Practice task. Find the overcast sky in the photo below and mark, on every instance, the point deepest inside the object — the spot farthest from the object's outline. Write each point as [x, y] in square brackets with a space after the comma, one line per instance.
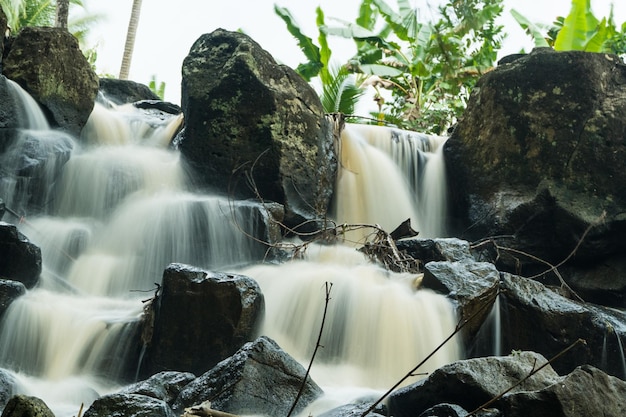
[167, 29]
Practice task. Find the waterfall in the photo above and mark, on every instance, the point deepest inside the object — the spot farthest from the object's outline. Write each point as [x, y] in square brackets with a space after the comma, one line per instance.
[121, 208]
[387, 175]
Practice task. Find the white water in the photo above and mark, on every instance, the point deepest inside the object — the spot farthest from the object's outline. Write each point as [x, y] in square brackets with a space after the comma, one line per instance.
[121, 212]
[387, 176]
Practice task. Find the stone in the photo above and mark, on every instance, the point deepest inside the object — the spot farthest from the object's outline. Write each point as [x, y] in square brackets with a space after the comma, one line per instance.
[537, 159]
[48, 64]
[586, 391]
[165, 386]
[125, 91]
[25, 406]
[7, 387]
[254, 128]
[128, 405]
[21, 259]
[9, 291]
[472, 286]
[471, 383]
[201, 318]
[537, 318]
[259, 379]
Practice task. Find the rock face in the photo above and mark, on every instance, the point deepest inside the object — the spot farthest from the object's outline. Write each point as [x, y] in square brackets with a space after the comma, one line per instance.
[9, 291]
[259, 379]
[200, 319]
[125, 91]
[25, 406]
[539, 154]
[537, 318]
[48, 63]
[129, 405]
[21, 259]
[245, 113]
[3, 29]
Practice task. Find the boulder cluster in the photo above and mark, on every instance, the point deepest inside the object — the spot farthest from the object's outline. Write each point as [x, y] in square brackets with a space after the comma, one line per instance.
[537, 196]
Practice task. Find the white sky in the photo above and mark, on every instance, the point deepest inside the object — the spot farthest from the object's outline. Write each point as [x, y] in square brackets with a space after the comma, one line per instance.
[168, 29]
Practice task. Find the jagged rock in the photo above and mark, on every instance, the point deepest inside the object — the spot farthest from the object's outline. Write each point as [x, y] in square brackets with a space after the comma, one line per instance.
[9, 291]
[472, 286]
[201, 318]
[259, 379]
[537, 318]
[165, 386]
[428, 250]
[25, 406]
[21, 259]
[7, 383]
[48, 64]
[586, 391]
[471, 383]
[32, 163]
[125, 91]
[128, 405]
[538, 157]
[244, 112]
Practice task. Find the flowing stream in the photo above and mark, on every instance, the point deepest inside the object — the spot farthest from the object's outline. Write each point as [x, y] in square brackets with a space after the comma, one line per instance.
[122, 210]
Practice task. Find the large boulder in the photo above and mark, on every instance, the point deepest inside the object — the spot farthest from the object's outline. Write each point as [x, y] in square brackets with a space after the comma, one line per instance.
[21, 259]
[129, 405]
[26, 406]
[165, 386]
[537, 318]
[538, 157]
[260, 379]
[200, 318]
[48, 64]
[244, 113]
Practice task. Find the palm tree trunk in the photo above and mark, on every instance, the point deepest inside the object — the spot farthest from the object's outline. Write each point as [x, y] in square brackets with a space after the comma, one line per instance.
[130, 40]
[63, 7]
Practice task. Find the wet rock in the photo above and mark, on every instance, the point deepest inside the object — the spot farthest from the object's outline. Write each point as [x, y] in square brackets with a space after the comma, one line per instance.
[246, 113]
[3, 31]
[472, 286]
[128, 405]
[353, 410]
[32, 163]
[471, 383]
[201, 318]
[39, 61]
[165, 386]
[125, 91]
[7, 384]
[428, 250]
[259, 379]
[586, 391]
[21, 259]
[538, 155]
[25, 406]
[538, 318]
[9, 291]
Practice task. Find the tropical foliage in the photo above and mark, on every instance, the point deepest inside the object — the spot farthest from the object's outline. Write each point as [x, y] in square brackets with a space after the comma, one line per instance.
[422, 70]
[580, 30]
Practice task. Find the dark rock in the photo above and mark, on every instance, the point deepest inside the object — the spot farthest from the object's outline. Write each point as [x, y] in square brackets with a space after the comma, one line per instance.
[7, 387]
[163, 386]
[3, 31]
[201, 318]
[603, 283]
[9, 291]
[259, 379]
[586, 391]
[31, 165]
[445, 410]
[538, 157]
[471, 383]
[21, 259]
[353, 410]
[39, 60]
[537, 318]
[25, 406]
[246, 113]
[157, 105]
[128, 405]
[125, 91]
[428, 250]
[472, 286]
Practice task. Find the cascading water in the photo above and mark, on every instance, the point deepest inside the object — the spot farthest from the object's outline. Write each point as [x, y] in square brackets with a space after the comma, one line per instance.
[122, 210]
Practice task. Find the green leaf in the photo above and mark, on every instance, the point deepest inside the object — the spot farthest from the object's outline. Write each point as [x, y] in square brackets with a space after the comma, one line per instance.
[531, 29]
[310, 50]
[578, 29]
[381, 70]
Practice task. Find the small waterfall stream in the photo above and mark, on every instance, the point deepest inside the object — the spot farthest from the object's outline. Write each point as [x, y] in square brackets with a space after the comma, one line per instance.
[122, 210]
